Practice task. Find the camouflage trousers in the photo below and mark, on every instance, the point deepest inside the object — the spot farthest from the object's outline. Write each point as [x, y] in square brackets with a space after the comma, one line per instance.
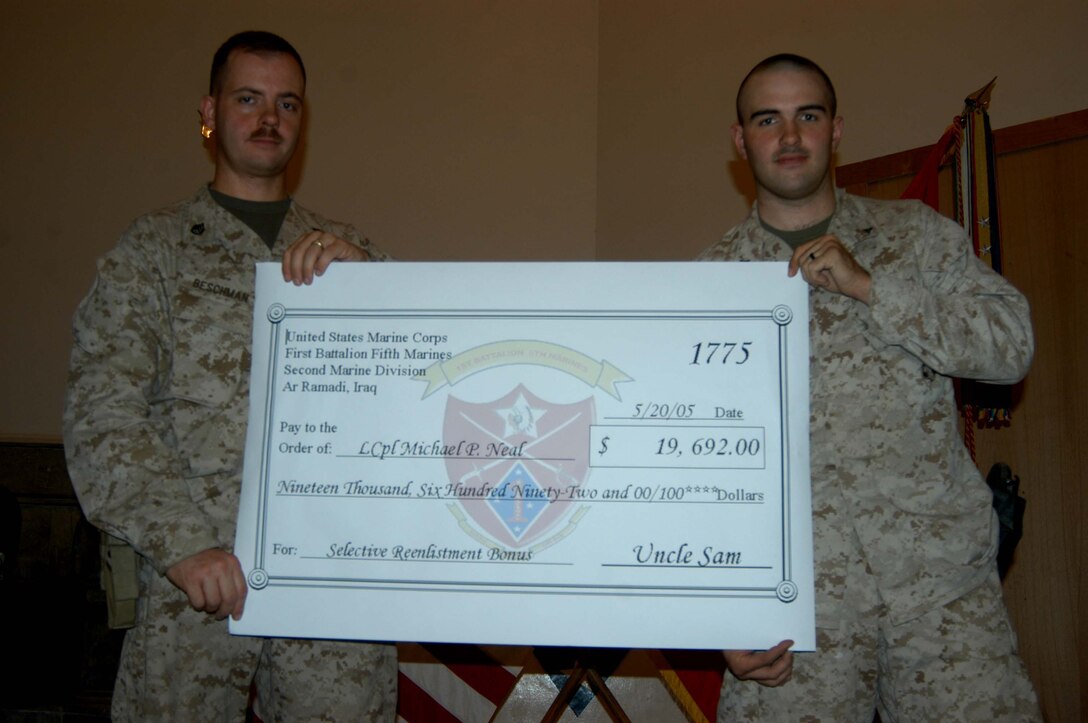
[956, 663]
[179, 664]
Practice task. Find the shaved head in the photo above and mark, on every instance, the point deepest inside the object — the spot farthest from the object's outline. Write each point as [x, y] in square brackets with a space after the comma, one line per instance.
[796, 62]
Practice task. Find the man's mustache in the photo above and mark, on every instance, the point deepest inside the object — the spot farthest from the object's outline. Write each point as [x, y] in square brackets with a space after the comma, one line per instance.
[791, 151]
[266, 132]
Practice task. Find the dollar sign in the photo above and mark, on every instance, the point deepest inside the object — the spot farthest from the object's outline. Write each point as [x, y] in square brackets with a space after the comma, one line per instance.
[604, 446]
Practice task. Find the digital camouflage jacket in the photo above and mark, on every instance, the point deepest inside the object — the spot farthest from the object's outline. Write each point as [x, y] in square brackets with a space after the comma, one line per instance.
[890, 474]
[155, 415]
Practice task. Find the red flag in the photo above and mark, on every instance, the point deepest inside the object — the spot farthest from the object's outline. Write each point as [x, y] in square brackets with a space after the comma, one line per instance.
[924, 186]
[452, 683]
[694, 678]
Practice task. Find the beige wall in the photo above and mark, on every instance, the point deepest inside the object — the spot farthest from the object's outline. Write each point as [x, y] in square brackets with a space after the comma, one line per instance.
[669, 181]
[464, 129]
[443, 130]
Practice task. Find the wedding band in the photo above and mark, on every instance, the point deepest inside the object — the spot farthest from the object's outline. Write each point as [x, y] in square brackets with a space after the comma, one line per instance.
[319, 245]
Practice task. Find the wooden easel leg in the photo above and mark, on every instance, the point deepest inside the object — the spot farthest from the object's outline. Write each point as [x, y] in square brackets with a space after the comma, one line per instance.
[566, 695]
[578, 675]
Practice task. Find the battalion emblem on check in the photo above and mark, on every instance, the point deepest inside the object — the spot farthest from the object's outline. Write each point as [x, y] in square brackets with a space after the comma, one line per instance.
[518, 483]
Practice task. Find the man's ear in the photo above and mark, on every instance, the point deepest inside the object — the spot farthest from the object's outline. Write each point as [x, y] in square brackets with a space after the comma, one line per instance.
[836, 132]
[207, 111]
[738, 139]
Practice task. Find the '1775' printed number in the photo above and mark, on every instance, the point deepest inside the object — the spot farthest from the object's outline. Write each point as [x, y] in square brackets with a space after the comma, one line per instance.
[720, 352]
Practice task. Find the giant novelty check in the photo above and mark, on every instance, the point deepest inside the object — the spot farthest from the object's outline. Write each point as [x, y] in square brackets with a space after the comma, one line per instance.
[585, 454]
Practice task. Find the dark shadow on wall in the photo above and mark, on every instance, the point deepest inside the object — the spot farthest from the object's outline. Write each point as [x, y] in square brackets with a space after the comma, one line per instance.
[58, 658]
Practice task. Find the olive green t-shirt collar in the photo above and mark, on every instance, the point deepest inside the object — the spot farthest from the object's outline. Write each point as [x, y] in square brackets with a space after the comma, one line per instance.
[264, 217]
[801, 235]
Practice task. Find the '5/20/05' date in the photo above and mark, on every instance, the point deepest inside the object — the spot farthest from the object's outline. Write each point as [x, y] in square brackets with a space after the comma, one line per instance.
[683, 410]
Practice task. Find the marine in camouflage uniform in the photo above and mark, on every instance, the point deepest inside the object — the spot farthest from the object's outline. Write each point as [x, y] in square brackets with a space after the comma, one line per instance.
[910, 618]
[154, 431]
[156, 410]
[902, 520]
